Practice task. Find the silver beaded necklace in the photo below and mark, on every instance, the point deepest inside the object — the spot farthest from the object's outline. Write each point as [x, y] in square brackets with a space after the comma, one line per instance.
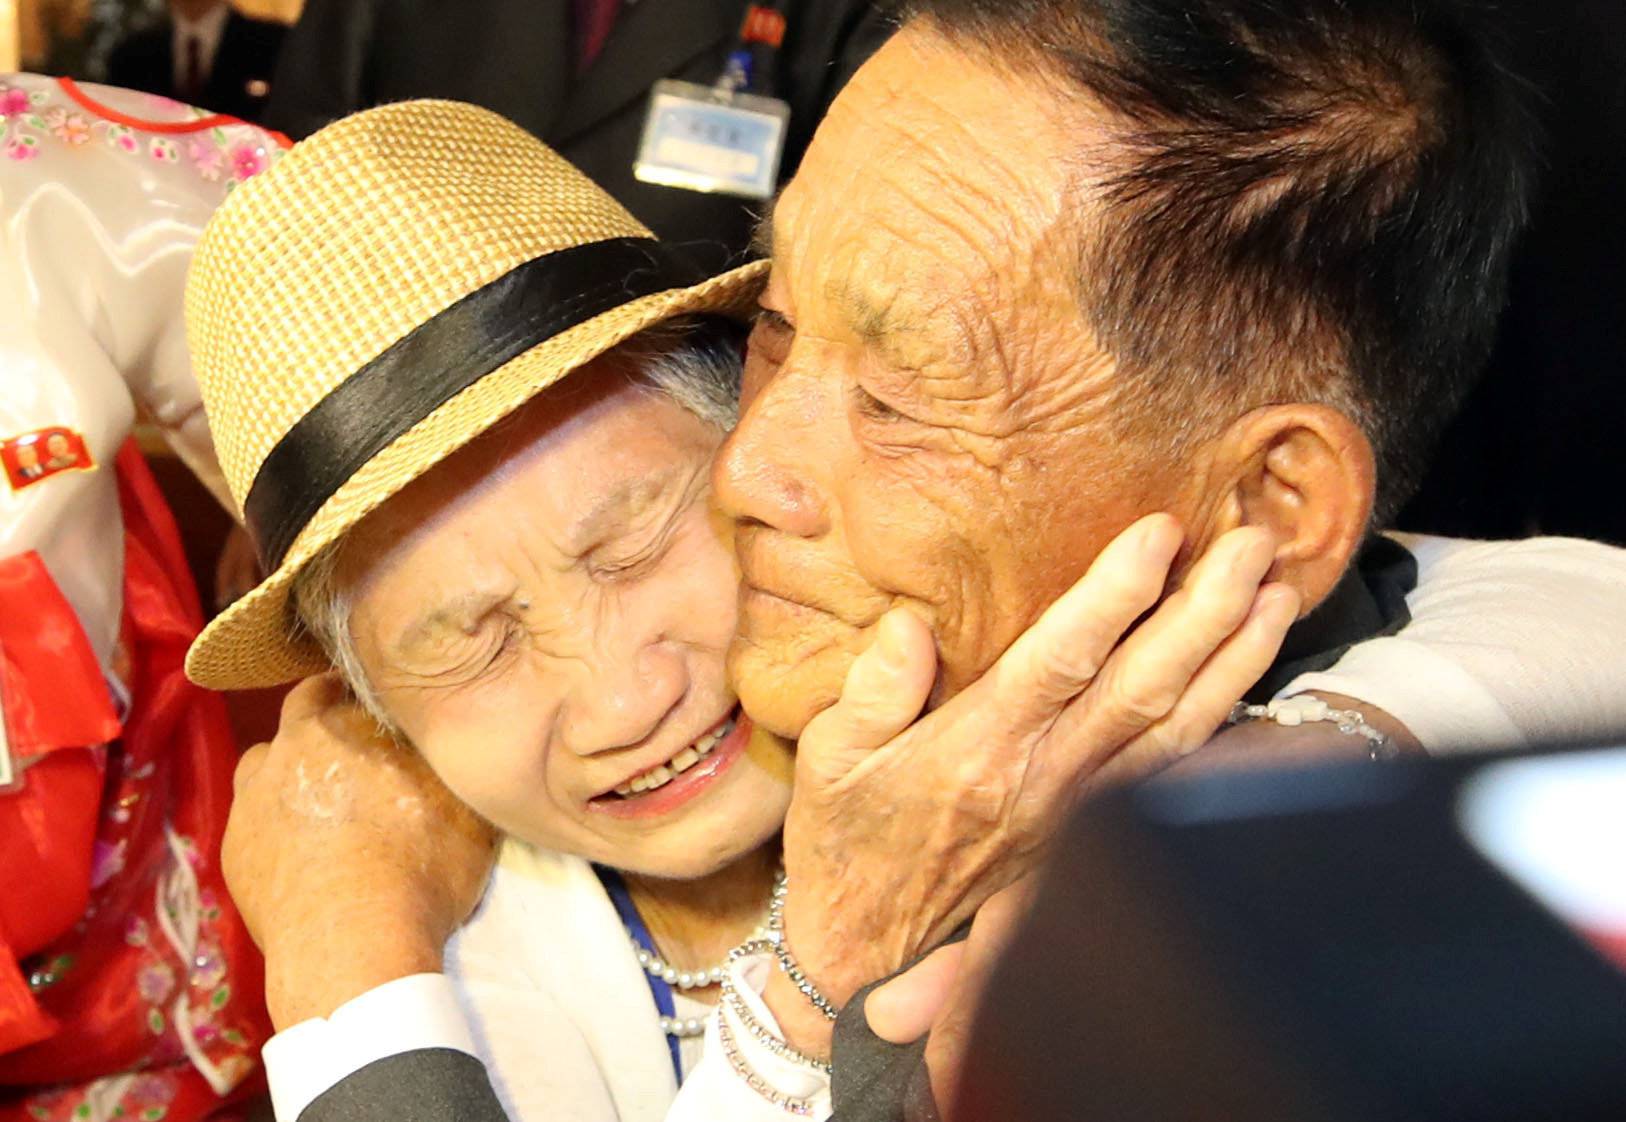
[657, 967]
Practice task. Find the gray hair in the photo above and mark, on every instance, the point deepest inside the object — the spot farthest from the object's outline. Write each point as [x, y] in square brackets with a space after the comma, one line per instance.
[694, 361]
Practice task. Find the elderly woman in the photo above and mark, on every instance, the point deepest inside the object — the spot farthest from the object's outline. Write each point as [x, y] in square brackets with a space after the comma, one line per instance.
[468, 410]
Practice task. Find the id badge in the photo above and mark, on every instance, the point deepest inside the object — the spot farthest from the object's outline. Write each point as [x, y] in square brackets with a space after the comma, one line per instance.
[704, 139]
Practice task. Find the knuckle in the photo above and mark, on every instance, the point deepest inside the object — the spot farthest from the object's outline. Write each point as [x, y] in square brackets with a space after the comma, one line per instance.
[299, 699]
[1063, 670]
[875, 712]
[1198, 723]
[1141, 700]
[231, 856]
[248, 765]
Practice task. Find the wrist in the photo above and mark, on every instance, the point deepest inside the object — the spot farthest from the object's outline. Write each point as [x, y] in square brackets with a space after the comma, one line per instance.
[312, 973]
[805, 1028]
[806, 995]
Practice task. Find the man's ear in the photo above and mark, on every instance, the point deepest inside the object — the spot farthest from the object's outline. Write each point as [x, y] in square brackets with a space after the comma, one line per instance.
[1307, 474]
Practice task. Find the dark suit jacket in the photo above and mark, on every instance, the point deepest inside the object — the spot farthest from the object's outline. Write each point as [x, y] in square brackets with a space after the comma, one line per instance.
[243, 66]
[518, 58]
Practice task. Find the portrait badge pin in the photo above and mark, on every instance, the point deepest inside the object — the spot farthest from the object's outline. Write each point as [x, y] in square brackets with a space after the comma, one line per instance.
[34, 457]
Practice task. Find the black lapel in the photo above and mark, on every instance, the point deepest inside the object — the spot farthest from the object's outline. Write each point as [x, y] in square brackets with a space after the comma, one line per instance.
[225, 75]
[529, 83]
[162, 57]
[652, 40]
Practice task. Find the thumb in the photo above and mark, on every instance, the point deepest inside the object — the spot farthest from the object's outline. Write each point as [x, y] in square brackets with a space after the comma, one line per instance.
[902, 1010]
[885, 690]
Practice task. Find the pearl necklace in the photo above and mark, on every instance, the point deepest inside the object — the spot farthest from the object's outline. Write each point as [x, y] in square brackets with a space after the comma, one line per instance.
[657, 967]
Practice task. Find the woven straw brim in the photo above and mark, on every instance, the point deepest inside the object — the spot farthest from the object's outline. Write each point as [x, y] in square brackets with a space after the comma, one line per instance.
[255, 643]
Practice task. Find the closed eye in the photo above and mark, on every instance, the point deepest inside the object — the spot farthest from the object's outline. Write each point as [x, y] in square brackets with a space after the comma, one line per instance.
[771, 320]
[771, 336]
[872, 407]
[635, 555]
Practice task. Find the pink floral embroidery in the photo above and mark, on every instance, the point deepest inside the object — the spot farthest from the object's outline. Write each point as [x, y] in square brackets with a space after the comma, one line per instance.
[209, 965]
[107, 861]
[221, 153]
[70, 128]
[207, 159]
[247, 161]
[155, 982]
[151, 1093]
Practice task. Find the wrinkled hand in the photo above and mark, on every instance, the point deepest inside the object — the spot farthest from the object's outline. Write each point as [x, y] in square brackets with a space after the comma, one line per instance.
[894, 838]
[940, 995]
[351, 863]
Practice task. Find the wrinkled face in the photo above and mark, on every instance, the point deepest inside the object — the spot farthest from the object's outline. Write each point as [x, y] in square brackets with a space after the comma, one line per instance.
[927, 419]
[545, 616]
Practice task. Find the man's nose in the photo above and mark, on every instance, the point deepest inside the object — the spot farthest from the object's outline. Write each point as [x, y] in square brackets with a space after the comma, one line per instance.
[763, 471]
[621, 701]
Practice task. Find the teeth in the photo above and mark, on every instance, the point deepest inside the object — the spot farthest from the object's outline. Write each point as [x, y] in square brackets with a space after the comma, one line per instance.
[663, 774]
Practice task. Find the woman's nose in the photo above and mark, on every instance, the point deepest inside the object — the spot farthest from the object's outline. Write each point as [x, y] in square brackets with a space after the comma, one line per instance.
[621, 702]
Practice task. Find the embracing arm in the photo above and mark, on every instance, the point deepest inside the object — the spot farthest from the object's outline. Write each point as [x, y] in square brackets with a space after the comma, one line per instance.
[1510, 644]
[352, 866]
[400, 1051]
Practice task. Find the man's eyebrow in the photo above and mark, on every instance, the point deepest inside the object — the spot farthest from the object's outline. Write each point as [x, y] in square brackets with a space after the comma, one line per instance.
[871, 321]
[762, 233]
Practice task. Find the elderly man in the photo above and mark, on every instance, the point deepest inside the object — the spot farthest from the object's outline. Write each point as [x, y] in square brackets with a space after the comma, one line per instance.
[1046, 267]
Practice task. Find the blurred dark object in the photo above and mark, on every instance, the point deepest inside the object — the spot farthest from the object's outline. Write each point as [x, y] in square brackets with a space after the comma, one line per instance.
[226, 70]
[1538, 445]
[521, 58]
[1312, 946]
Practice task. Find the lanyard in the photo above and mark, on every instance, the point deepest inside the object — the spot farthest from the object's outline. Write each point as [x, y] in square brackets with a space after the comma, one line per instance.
[622, 899]
[752, 62]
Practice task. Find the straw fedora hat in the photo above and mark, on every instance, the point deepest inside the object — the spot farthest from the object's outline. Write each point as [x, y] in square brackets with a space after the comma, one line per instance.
[386, 292]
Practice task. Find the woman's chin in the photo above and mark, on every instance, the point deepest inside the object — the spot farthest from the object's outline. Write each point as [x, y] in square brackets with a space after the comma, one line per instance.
[704, 851]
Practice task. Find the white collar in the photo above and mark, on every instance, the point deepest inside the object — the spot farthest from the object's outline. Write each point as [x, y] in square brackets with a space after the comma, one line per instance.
[209, 27]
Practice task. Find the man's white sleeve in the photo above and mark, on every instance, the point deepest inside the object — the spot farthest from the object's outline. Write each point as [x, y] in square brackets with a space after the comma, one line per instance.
[1510, 644]
[405, 1015]
[740, 1077]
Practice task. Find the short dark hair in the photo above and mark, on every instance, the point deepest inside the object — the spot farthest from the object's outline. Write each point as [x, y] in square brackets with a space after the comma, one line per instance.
[1317, 199]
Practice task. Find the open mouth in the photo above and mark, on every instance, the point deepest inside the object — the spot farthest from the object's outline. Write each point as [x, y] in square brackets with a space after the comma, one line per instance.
[662, 774]
[668, 786]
